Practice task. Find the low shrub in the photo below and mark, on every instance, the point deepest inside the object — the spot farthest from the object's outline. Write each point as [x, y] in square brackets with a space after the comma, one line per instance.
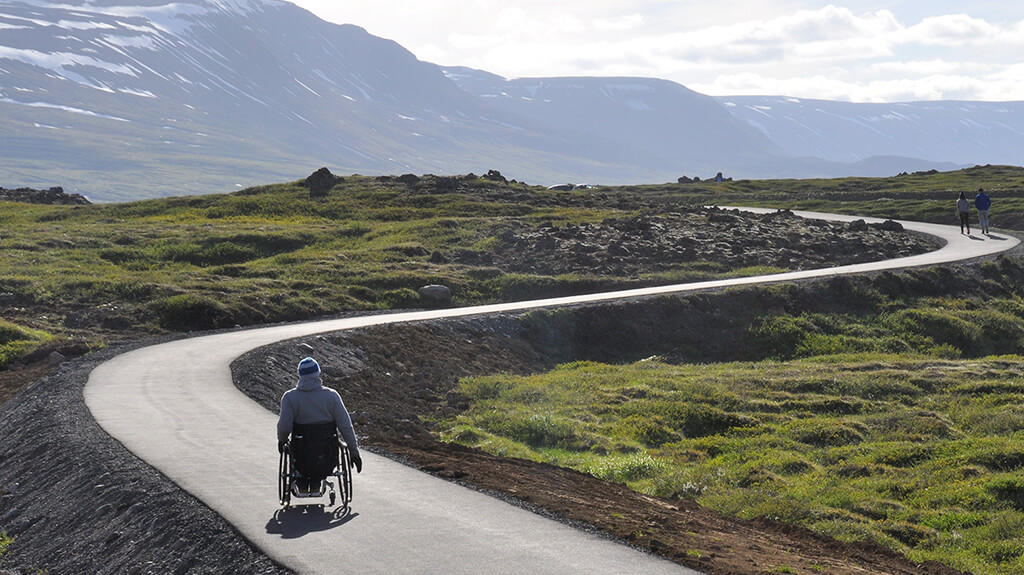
[998, 454]
[1009, 489]
[625, 468]
[190, 312]
[649, 431]
[536, 430]
[17, 341]
[825, 432]
[401, 298]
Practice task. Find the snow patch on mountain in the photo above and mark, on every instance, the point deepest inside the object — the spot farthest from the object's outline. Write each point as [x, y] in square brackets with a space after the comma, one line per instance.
[70, 109]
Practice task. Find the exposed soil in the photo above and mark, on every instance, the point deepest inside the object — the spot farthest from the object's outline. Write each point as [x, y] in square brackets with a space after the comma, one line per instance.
[78, 502]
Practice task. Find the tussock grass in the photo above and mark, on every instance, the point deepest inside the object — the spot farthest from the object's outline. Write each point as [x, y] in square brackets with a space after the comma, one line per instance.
[922, 454]
[16, 341]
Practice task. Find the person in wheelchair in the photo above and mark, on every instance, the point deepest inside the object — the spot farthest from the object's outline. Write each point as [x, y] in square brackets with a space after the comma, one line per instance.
[312, 417]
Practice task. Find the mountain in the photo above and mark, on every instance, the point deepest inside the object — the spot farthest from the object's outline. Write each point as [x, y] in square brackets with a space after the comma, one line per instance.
[196, 96]
[127, 99]
[947, 131]
[668, 124]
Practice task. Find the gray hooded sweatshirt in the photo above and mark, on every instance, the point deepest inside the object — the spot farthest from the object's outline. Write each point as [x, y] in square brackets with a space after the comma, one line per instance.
[311, 402]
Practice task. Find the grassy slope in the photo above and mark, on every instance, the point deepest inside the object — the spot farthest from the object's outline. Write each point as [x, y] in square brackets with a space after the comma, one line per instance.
[838, 429]
[926, 196]
[263, 255]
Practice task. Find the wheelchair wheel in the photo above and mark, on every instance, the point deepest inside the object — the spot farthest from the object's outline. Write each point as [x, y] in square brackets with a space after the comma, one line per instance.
[345, 480]
[284, 478]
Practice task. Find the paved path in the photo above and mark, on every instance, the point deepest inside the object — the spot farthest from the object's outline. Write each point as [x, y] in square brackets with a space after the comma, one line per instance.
[174, 406]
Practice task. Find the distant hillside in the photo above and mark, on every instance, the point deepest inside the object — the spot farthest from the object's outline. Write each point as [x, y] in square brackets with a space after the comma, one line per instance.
[953, 132]
[656, 118]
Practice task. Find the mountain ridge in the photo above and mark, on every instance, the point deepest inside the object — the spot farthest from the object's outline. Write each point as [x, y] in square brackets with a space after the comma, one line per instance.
[126, 100]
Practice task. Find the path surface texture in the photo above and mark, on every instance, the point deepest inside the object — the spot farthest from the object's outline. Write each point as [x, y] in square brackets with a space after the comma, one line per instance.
[174, 406]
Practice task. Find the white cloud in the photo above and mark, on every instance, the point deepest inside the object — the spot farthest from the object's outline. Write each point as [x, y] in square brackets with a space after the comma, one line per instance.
[952, 30]
[619, 23]
[864, 50]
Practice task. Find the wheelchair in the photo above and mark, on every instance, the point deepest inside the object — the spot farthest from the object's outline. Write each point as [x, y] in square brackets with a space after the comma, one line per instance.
[309, 460]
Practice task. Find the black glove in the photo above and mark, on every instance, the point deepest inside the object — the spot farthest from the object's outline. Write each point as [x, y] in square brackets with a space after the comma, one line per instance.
[357, 461]
[281, 445]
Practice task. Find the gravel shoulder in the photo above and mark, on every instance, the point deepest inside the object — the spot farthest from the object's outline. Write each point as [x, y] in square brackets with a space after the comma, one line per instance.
[76, 501]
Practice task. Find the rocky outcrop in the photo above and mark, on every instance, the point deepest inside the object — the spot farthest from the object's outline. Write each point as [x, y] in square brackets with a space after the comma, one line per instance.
[652, 243]
[55, 195]
[321, 181]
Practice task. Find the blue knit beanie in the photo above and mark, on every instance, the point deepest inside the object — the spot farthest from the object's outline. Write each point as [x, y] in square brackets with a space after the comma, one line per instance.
[309, 366]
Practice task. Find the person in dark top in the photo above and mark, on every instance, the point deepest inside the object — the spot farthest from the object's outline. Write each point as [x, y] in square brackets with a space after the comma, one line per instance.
[983, 203]
[963, 207]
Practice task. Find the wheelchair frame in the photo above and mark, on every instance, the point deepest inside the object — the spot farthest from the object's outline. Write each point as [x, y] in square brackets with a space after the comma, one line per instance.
[287, 476]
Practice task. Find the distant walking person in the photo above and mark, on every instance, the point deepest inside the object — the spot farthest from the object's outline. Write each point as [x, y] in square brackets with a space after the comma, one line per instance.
[983, 203]
[963, 207]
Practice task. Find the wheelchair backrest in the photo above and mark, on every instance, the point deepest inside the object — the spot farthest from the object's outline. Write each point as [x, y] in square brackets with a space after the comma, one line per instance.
[314, 449]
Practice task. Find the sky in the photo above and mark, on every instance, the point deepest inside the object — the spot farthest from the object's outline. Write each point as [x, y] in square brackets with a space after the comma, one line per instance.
[859, 51]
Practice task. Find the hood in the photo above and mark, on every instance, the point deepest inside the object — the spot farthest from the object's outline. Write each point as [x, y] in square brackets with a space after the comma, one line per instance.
[309, 383]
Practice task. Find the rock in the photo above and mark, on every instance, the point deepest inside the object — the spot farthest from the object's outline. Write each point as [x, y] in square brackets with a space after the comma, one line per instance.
[494, 176]
[55, 358]
[435, 295]
[321, 181]
[55, 195]
[890, 226]
[858, 226]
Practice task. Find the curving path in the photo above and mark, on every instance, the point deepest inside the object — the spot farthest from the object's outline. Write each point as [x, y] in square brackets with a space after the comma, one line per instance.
[174, 406]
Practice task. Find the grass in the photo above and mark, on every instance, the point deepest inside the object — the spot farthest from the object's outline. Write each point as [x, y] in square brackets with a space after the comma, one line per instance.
[16, 341]
[266, 254]
[867, 411]
[5, 542]
[922, 196]
[921, 454]
[275, 253]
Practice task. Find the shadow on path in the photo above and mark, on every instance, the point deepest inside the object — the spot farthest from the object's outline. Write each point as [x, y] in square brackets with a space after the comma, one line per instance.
[990, 236]
[294, 522]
